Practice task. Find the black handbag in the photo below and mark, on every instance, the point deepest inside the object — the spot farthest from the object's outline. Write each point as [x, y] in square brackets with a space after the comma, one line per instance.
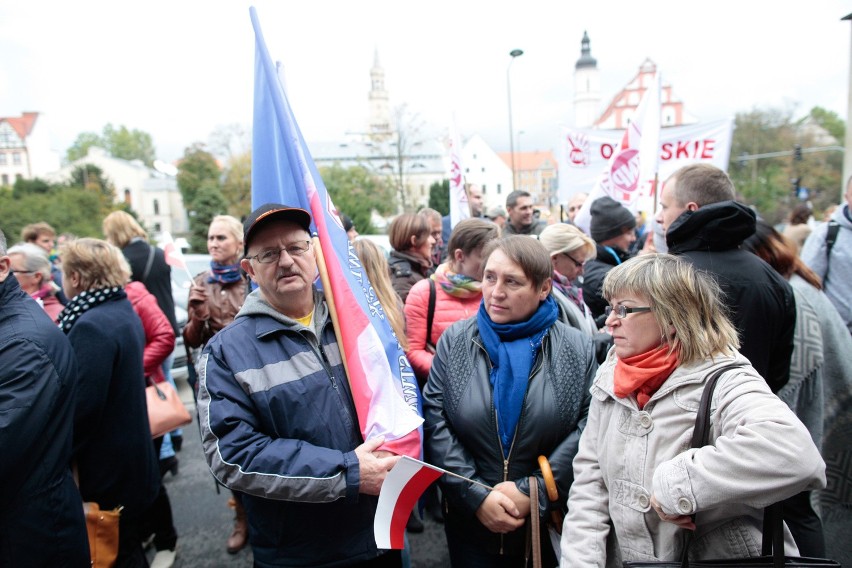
[773, 527]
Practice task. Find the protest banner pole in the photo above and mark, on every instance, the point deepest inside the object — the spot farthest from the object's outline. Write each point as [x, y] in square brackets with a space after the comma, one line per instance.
[329, 299]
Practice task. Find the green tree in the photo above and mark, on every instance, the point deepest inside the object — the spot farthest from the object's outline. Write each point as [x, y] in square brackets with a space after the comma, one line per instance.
[129, 144]
[208, 203]
[768, 183]
[439, 197]
[81, 145]
[120, 142]
[90, 176]
[195, 168]
[831, 122]
[357, 192]
[236, 187]
[67, 208]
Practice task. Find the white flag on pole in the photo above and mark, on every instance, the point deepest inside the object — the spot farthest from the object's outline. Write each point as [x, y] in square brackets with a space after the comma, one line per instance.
[459, 206]
[629, 175]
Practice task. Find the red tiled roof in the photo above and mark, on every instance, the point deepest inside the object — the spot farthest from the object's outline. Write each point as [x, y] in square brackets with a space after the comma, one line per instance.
[526, 161]
[23, 125]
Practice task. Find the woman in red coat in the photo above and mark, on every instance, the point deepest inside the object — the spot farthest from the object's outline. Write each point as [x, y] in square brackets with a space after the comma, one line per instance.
[457, 293]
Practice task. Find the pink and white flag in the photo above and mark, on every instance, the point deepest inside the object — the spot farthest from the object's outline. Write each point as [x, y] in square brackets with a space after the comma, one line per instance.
[401, 489]
[174, 256]
[629, 175]
[459, 205]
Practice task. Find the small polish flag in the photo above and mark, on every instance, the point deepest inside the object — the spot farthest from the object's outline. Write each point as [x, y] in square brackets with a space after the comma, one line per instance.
[174, 256]
[401, 489]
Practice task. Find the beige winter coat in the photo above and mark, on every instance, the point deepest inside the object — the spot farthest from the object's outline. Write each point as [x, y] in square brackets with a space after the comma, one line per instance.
[762, 454]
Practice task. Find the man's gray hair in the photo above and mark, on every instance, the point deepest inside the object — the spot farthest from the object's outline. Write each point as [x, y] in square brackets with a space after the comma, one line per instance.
[2, 243]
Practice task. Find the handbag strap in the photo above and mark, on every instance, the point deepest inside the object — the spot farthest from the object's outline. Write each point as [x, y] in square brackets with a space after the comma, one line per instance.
[535, 522]
[700, 435]
[148, 264]
[430, 314]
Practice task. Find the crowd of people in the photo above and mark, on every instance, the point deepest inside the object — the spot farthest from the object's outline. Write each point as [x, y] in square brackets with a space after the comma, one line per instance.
[562, 374]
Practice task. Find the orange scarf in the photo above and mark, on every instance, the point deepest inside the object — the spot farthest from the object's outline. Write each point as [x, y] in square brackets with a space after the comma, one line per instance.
[643, 374]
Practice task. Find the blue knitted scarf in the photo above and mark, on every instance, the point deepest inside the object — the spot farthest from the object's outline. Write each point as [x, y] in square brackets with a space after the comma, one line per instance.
[224, 273]
[512, 348]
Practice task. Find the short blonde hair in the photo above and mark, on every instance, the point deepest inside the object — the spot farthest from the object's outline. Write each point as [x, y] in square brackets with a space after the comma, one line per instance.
[562, 237]
[120, 228]
[97, 262]
[684, 299]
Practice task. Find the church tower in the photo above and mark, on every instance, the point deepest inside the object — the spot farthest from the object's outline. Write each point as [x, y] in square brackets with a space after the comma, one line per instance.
[379, 112]
[587, 86]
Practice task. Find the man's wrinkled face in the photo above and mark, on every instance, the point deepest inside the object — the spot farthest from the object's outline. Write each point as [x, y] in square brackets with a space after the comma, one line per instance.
[292, 274]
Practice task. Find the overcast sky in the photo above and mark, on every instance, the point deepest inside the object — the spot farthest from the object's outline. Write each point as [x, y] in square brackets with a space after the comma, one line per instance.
[177, 69]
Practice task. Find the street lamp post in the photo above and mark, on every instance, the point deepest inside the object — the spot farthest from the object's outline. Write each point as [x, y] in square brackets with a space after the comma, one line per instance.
[514, 53]
[521, 162]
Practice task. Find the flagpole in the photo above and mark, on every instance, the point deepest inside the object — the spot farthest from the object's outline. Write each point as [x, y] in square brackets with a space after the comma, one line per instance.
[329, 300]
[488, 487]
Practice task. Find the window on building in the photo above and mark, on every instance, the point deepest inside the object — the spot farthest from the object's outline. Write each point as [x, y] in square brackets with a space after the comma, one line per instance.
[156, 207]
[16, 158]
[2, 158]
[422, 191]
[19, 177]
[127, 198]
[483, 170]
[499, 189]
[5, 179]
[157, 227]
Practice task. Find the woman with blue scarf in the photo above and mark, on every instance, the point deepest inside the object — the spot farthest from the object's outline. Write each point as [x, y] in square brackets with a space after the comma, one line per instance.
[215, 298]
[506, 387]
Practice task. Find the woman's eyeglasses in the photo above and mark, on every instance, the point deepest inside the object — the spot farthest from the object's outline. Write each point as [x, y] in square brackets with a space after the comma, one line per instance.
[622, 311]
[576, 262]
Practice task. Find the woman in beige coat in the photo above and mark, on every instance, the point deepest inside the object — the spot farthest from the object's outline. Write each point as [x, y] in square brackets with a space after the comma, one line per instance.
[637, 482]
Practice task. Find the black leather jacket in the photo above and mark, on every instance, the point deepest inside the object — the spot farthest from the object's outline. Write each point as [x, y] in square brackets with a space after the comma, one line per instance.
[461, 425]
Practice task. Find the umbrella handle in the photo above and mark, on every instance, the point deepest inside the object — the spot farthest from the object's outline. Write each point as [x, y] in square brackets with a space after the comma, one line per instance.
[550, 487]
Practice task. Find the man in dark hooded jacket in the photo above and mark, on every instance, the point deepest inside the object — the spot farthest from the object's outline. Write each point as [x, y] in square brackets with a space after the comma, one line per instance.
[703, 223]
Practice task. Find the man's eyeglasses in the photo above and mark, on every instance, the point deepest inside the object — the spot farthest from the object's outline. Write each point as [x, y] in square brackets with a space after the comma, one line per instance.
[576, 262]
[272, 255]
[622, 311]
[23, 271]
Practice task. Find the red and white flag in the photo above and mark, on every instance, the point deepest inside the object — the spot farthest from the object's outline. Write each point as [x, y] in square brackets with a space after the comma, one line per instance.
[459, 205]
[401, 489]
[630, 173]
[174, 256]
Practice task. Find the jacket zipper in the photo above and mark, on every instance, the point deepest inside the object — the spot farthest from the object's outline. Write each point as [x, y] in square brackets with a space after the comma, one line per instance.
[508, 457]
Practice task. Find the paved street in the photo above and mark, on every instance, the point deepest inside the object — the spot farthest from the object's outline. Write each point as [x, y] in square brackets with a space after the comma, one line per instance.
[204, 521]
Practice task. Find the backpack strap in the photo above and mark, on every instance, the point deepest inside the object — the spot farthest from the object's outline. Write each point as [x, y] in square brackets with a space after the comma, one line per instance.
[430, 314]
[830, 239]
[148, 264]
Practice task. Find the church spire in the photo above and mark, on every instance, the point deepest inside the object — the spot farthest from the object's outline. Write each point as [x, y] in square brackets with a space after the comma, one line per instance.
[586, 59]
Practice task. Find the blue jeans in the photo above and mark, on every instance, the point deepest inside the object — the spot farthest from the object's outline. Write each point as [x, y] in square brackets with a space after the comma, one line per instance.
[167, 451]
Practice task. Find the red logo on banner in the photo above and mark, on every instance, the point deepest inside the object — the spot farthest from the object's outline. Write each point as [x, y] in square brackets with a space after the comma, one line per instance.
[625, 170]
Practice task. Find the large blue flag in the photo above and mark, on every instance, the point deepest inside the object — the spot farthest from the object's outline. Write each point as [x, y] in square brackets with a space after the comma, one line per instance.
[383, 385]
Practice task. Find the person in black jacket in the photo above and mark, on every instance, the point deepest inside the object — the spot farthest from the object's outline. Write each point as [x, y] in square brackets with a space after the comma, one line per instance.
[506, 387]
[113, 450]
[611, 228]
[41, 514]
[704, 224]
